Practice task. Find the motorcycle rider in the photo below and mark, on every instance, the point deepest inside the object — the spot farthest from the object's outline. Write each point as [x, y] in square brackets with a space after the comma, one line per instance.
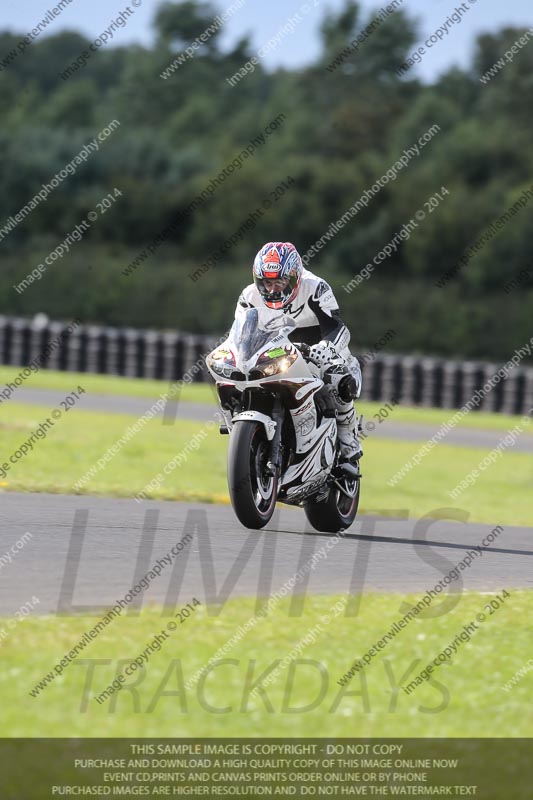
[282, 283]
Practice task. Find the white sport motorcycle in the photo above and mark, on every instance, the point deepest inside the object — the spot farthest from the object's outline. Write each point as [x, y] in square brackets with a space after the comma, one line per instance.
[282, 425]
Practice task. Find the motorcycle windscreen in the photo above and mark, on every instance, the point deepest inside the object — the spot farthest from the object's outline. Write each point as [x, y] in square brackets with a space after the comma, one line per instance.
[253, 330]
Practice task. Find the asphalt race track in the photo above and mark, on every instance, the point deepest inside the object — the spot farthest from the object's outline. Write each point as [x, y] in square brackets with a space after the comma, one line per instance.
[89, 551]
[388, 429]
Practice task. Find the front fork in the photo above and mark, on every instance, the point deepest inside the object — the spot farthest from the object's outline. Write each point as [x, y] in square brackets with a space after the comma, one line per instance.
[274, 465]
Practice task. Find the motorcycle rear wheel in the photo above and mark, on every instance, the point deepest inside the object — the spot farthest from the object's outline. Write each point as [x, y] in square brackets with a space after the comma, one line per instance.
[337, 511]
[253, 491]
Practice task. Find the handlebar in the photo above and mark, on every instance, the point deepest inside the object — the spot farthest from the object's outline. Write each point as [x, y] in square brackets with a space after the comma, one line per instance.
[304, 349]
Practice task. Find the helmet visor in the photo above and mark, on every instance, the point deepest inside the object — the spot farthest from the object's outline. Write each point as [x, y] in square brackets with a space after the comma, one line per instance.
[276, 290]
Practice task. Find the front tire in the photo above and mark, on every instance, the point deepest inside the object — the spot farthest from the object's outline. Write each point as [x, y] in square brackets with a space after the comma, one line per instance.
[253, 492]
[337, 511]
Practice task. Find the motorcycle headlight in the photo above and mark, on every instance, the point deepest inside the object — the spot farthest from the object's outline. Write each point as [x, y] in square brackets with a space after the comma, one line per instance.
[275, 366]
[222, 369]
[221, 362]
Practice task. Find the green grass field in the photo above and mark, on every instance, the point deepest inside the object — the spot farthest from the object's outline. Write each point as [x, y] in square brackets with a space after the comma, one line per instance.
[104, 384]
[78, 440]
[204, 393]
[464, 698]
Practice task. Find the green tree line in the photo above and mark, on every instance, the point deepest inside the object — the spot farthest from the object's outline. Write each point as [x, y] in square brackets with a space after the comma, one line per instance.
[193, 158]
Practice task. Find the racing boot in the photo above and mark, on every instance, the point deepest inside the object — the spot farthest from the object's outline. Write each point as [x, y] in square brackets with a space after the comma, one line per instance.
[349, 443]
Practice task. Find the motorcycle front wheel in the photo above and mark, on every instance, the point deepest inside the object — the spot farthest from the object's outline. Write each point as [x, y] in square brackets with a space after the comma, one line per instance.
[253, 491]
[338, 510]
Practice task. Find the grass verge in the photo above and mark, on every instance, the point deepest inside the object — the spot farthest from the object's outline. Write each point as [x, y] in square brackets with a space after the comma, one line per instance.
[502, 495]
[204, 393]
[464, 696]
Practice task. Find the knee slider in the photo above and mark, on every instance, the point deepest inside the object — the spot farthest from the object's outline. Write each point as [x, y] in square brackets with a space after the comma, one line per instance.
[342, 382]
[348, 388]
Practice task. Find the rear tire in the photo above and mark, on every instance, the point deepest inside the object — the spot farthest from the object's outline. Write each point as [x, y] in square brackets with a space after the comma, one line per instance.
[253, 493]
[337, 512]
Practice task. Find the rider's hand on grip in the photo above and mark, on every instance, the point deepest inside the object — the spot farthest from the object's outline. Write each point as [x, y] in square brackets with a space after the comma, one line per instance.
[304, 349]
[323, 353]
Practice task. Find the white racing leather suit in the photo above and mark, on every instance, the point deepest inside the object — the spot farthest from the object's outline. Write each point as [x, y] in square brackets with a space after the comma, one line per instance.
[315, 311]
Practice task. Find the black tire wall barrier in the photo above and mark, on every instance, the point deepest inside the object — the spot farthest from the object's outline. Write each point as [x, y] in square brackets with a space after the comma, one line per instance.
[172, 356]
